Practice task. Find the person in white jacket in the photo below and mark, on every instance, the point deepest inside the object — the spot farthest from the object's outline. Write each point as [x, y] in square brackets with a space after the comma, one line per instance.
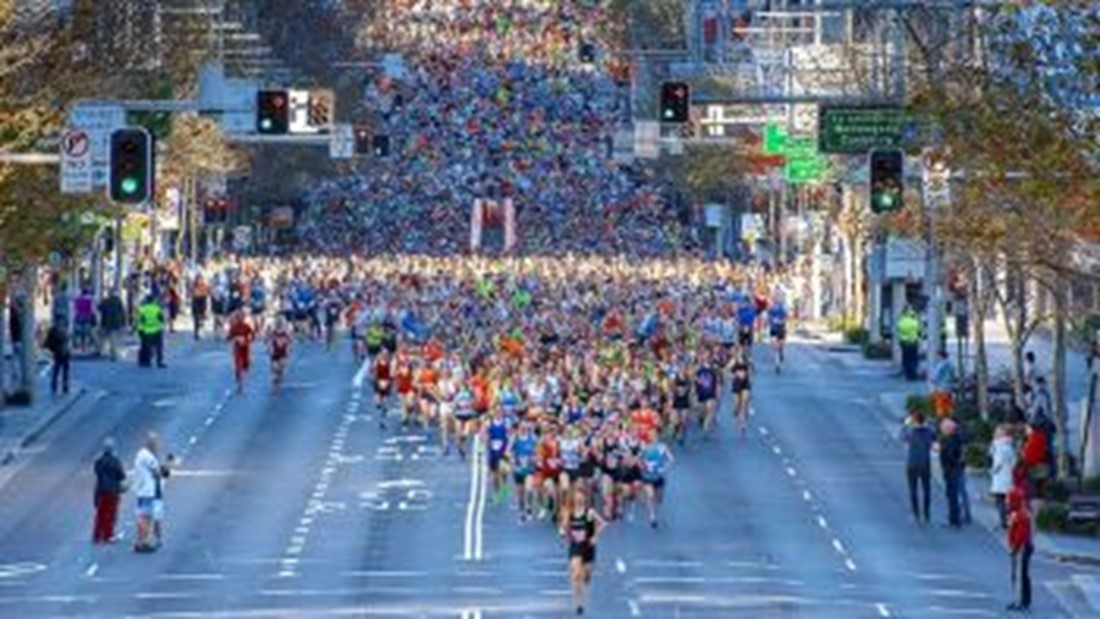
[1003, 453]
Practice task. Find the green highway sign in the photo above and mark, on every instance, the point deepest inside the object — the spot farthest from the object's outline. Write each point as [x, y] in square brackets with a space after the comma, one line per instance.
[859, 129]
[775, 139]
[806, 170]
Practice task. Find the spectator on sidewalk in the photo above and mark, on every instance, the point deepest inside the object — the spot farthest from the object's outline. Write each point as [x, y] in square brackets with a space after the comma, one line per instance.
[59, 345]
[940, 382]
[908, 331]
[1020, 548]
[109, 479]
[953, 467]
[1002, 451]
[919, 438]
[1036, 459]
[112, 320]
[84, 321]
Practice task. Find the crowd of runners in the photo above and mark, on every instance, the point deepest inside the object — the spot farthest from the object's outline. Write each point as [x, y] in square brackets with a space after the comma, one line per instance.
[574, 377]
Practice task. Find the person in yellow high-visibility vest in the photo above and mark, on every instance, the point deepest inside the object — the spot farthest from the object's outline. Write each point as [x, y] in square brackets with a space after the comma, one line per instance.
[150, 328]
[908, 332]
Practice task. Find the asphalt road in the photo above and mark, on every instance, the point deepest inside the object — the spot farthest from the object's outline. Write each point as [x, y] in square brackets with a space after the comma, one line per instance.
[296, 504]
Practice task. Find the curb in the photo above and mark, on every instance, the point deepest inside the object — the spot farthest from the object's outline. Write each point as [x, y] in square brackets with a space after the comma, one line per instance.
[43, 424]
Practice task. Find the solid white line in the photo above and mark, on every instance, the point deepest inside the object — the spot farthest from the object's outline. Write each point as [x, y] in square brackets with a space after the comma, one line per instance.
[882, 610]
[361, 375]
[635, 610]
[479, 518]
[91, 571]
[471, 505]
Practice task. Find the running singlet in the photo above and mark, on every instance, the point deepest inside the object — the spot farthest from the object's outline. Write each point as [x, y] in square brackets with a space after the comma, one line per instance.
[280, 345]
[746, 315]
[464, 404]
[509, 401]
[404, 380]
[241, 335]
[498, 438]
[523, 450]
[777, 317]
[655, 461]
[706, 382]
[571, 453]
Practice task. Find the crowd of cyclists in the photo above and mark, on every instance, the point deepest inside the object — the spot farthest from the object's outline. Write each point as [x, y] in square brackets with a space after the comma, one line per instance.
[573, 376]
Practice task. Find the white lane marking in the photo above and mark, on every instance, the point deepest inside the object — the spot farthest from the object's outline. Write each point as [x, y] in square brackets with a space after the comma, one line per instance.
[882, 610]
[479, 518]
[777, 450]
[807, 496]
[191, 577]
[209, 421]
[822, 523]
[635, 610]
[620, 566]
[92, 570]
[471, 505]
[192, 440]
[360, 376]
[763, 431]
[838, 546]
[791, 472]
[848, 563]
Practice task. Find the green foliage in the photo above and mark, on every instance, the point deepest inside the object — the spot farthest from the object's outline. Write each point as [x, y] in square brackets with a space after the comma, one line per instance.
[856, 335]
[1053, 517]
[916, 402]
[1083, 330]
[1091, 485]
[878, 351]
[842, 324]
[979, 430]
[976, 455]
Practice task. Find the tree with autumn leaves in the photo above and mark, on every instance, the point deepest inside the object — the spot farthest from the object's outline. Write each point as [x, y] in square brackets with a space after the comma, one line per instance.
[47, 63]
[1011, 120]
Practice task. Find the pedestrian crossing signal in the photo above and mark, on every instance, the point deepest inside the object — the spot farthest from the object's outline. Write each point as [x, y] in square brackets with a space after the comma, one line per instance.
[381, 145]
[362, 141]
[675, 102]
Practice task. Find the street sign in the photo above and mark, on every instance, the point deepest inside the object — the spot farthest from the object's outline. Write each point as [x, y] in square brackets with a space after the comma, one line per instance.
[98, 122]
[857, 130]
[806, 169]
[342, 144]
[76, 161]
[647, 135]
[775, 139]
[242, 238]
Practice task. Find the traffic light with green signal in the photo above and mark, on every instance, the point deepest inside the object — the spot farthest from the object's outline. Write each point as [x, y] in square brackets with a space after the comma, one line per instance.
[130, 179]
[887, 180]
[272, 112]
[675, 102]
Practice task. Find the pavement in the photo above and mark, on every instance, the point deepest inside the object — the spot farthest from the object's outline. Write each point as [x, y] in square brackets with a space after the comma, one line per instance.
[295, 503]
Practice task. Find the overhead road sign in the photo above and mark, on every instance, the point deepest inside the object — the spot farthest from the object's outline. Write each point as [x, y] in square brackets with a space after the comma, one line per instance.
[858, 130]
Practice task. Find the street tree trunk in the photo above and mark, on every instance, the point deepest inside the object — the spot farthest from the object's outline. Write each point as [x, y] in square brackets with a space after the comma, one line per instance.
[979, 301]
[3, 331]
[30, 342]
[1058, 372]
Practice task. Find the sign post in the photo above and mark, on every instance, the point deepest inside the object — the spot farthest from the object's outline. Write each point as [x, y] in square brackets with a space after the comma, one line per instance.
[76, 161]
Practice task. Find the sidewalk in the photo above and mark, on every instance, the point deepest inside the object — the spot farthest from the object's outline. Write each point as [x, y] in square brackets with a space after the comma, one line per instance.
[891, 398]
[22, 425]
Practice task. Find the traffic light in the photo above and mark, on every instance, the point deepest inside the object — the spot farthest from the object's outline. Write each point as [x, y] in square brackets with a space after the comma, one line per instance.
[381, 145]
[587, 53]
[675, 102]
[131, 166]
[272, 112]
[887, 180]
[362, 141]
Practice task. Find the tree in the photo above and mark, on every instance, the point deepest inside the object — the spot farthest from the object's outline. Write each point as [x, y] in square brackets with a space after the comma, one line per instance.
[1013, 128]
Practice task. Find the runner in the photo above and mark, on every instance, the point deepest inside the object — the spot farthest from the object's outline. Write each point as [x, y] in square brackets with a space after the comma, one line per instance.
[279, 341]
[777, 321]
[241, 335]
[740, 372]
[581, 527]
[523, 469]
[706, 393]
[383, 385]
[656, 460]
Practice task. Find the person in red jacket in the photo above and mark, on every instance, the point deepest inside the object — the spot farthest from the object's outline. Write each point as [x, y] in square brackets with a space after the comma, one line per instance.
[1020, 548]
[1034, 457]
